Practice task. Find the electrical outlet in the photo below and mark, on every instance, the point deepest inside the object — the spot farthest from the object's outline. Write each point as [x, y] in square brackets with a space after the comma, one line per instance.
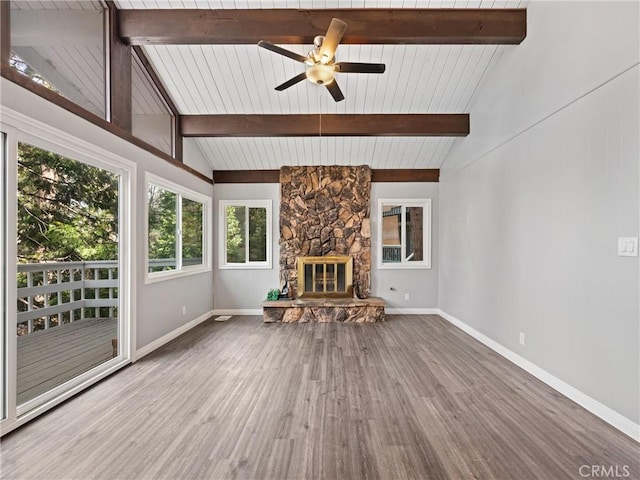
[184, 309]
[407, 297]
[521, 338]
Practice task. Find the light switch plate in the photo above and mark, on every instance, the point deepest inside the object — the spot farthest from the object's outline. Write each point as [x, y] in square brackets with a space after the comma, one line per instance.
[628, 246]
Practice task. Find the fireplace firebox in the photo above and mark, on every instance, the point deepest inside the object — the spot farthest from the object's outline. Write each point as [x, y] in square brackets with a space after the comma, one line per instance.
[328, 276]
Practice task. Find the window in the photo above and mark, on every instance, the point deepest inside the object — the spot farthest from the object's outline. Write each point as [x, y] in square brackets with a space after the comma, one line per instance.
[177, 230]
[152, 120]
[60, 45]
[245, 234]
[163, 235]
[68, 249]
[404, 233]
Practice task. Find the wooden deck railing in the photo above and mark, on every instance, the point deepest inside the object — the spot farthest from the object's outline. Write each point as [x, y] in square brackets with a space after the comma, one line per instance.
[52, 294]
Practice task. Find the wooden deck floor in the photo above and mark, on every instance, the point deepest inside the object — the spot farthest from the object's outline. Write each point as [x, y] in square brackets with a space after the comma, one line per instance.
[412, 397]
[49, 358]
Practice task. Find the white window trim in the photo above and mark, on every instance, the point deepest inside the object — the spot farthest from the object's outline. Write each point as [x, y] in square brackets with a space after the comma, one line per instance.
[425, 203]
[181, 192]
[222, 234]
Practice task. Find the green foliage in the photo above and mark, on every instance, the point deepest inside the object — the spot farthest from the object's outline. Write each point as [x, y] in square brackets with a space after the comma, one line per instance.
[257, 234]
[67, 210]
[235, 234]
[236, 231]
[162, 224]
[191, 232]
[162, 206]
[273, 294]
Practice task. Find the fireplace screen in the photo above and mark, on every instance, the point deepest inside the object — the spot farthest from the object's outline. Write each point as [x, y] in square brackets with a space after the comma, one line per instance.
[329, 276]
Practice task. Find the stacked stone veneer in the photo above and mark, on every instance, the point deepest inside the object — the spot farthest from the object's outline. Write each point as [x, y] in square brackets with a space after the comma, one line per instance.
[324, 210]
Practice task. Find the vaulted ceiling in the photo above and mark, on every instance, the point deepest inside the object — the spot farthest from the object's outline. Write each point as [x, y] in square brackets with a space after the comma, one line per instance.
[239, 79]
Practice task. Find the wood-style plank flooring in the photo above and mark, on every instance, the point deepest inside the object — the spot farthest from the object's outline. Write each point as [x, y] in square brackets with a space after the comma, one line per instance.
[412, 397]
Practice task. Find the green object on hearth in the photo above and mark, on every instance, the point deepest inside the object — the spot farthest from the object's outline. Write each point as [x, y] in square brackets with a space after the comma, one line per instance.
[273, 294]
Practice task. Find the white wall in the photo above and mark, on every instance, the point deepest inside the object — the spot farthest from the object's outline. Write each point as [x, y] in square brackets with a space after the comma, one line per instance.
[420, 284]
[159, 305]
[534, 200]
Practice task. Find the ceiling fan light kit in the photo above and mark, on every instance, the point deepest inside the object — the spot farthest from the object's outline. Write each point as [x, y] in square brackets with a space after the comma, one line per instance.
[320, 74]
[321, 61]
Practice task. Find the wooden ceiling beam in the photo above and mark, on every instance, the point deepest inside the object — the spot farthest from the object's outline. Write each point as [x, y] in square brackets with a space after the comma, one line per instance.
[5, 34]
[405, 175]
[120, 82]
[289, 26]
[377, 175]
[327, 125]
[246, 176]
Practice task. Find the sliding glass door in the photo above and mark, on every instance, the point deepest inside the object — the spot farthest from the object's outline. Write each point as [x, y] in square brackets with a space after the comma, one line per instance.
[66, 321]
[67, 278]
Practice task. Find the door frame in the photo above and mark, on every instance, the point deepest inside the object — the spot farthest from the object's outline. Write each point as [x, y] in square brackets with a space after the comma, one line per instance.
[21, 128]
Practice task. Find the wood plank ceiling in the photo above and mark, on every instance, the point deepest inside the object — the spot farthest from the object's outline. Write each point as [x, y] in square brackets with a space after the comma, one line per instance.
[240, 79]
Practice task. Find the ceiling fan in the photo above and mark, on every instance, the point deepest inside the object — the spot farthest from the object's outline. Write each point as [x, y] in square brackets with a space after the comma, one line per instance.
[321, 61]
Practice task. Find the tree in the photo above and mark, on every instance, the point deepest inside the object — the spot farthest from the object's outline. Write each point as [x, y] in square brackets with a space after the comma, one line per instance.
[235, 234]
[257, 234]
[67, 210]
[237, 218]
[162, 225]
[191, 232]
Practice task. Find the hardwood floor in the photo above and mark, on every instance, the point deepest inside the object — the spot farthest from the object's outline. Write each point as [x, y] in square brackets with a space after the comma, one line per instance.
[412, 397]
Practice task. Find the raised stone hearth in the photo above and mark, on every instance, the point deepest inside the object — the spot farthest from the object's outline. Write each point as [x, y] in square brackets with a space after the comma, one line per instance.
[324, 310]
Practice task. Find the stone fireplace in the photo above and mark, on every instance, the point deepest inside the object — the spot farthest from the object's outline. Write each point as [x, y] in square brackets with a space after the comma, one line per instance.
[325, 246]
[324, 211]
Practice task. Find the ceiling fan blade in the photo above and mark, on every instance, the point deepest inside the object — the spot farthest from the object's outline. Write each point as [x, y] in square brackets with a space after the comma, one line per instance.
[335, 91]
[282, 51]
[349, 67]
[292, 81]
[332, 39]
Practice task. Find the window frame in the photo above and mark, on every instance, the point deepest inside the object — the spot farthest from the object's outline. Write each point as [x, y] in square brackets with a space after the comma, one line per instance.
[181, 193]
[137, 57]
[222, 235]
[104, 112]
[105, 119]
[425, 203]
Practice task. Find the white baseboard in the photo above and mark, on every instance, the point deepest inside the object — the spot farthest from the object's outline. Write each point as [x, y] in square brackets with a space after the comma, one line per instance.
[147, 349]
[237, 311]
[411, 311]
[610, 416]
